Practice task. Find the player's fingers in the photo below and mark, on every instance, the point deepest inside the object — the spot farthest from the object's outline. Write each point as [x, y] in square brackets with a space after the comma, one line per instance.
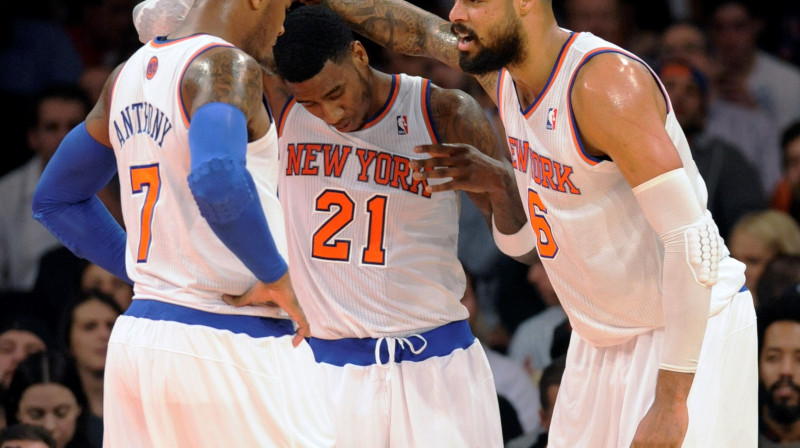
[241, 300]
[303, 331]
[436, 149]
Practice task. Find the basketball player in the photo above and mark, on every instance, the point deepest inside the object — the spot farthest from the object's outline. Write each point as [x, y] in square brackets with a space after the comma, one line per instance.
[372, 251]
[664, 349]
[204, 355]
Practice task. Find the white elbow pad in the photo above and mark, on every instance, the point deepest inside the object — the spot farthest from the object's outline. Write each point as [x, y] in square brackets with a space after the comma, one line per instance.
[692, 251]
[517, 244]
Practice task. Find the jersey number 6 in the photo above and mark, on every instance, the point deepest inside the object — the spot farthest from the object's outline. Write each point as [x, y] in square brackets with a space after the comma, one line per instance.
[326, 248]
[544, 234]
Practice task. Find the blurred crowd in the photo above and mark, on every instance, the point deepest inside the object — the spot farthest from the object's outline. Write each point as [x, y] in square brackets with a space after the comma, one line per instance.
[732, 72]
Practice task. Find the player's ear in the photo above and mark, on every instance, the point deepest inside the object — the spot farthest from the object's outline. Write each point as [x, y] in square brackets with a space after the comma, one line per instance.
[359, 53]
[526, 6]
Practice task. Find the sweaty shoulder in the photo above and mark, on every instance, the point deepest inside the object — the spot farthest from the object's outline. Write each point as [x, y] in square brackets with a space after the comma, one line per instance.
[612, 87]
[227, 75]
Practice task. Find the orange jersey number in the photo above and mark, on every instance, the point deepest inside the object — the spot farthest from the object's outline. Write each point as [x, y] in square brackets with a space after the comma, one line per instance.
[141, 177]
[544, 234]
[325, 247]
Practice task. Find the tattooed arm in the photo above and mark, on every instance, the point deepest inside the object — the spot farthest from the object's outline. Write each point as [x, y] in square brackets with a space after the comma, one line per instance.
[472, 157]
[407, 29]
[227, 75]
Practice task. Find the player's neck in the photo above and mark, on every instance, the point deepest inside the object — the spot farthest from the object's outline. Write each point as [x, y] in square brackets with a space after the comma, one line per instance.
[540, 55]
[381, 84]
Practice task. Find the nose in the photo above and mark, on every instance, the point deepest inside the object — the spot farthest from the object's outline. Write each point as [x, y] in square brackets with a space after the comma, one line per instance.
[49, 423]
[458, 13]
[333, 113]
[788, 366]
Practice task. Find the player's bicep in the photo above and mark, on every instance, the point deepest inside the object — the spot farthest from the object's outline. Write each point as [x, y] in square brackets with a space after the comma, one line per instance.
[98, 118]
[460, 119]
[620, 113]
[223, 75]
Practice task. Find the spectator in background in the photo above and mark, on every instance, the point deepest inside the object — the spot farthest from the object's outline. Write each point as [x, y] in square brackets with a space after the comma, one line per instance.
[787, 194]
[35, 51]
[87, 328]
[23, 240]
[752, 131]
[779, 371]
[780, 274]
[95, 278]
[548, 391]
[760, 236]
[511, 381]
[20, 337]
[732, 182]
[751, 76]
[102, 31]
[39, 395]
[26, 436]
[532, 342]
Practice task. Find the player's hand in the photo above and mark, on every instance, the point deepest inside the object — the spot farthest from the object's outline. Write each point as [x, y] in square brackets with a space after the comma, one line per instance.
[664, 425]
[467, 168]
[277, 294]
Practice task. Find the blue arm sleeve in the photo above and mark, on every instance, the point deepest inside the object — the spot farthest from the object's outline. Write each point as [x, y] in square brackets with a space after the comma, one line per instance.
[225, 192]
[65, 201]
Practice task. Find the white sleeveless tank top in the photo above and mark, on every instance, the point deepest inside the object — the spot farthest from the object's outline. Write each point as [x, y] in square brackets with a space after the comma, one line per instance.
[600, 253]
[172, 253]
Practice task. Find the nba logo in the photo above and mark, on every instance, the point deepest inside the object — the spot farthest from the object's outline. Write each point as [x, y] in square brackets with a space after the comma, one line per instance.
[551, 118]
[402, 125]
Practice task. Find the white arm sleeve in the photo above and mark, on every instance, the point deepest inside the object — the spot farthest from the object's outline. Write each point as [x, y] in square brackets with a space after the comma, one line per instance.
[515, 245]
[691, 257]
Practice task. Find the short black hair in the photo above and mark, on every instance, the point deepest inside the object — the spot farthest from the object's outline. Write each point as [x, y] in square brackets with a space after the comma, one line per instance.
[49, 366]
[551, 376]
[58, 91]
[790, 134]
[22, 431]
[312, 36]
[784, 308]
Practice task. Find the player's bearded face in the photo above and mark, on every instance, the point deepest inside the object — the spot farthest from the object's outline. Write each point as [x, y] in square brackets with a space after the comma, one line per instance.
[500, 47]
[783, 400]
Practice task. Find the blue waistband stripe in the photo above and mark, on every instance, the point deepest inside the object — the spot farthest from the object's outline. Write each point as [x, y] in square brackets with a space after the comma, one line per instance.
[441, 341]
[253, 326]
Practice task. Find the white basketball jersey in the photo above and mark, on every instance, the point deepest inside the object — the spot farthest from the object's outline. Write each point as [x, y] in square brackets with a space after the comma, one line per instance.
[602, 256]
[371, 253]
[172, 253]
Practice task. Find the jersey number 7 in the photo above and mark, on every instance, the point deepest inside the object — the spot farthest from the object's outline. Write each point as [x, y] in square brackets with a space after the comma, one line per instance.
[146, 177]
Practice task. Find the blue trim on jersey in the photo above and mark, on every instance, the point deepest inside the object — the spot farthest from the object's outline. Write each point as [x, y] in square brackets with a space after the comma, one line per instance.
[429, 85]
[441, 341]
[744, 288]
[387, 103]
[186, 68]
[253, 326]
[269, 111]
[569, 97]
[553, 72]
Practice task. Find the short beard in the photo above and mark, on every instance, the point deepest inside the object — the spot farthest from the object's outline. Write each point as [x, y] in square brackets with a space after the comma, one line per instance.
[781, 413]
[506, 50]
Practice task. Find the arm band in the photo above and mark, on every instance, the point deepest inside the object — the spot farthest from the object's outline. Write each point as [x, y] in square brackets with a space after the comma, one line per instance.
[225, 192]
[517, 244]
[691, 256]
[65, 201]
